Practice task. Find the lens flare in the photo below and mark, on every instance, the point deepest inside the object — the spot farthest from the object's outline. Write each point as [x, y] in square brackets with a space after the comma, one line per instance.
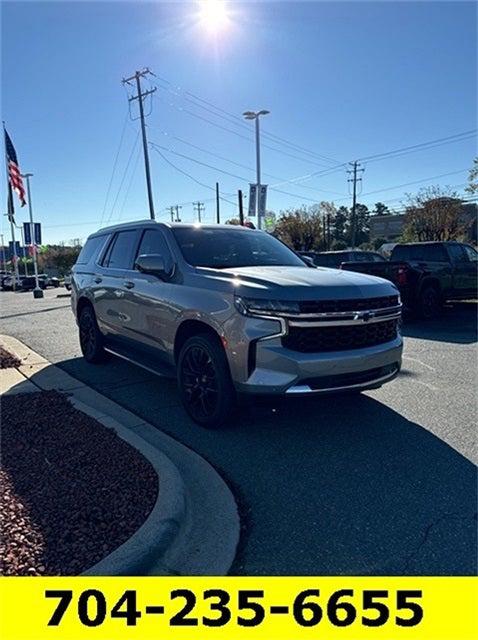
[213, 15]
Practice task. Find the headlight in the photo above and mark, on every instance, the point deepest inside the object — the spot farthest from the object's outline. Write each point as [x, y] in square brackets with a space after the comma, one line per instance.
[258, 307]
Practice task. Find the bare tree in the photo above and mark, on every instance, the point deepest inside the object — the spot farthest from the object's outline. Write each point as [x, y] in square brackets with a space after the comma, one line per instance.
[473, 178]
[433, 214]
[301, 229]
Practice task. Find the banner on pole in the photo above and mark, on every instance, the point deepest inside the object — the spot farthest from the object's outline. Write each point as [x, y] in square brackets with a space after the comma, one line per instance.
[37, 232]
[252, 200]
[262, 200]
[27, 233]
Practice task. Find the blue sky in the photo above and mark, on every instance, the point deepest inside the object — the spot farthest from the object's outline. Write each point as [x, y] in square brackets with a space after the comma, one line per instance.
[343, 80]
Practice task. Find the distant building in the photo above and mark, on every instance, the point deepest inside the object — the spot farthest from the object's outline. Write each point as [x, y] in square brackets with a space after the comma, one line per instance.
[390, 227]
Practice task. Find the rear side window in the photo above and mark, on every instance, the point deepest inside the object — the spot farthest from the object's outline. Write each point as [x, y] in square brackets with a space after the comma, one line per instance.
[91, 249]
[121, 251]
[154, 242]
[423, 252]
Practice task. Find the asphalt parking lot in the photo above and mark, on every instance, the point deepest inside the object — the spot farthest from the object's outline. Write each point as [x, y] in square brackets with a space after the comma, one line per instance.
[381, 484]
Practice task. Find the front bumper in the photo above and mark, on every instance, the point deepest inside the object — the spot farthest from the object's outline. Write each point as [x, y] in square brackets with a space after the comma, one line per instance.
[281, 371]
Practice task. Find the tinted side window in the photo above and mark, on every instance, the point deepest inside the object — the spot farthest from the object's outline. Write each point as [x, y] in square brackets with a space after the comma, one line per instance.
[91, 249]
[471, 253]
[457, 253]
[435, 253]
[423, 252]
[121, 253]
[154, 242]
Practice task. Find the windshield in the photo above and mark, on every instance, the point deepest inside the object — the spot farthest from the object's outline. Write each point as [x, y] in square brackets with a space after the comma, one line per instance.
[224, 248]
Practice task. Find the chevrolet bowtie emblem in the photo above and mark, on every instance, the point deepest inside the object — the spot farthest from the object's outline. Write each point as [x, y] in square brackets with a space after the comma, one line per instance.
[364, 315]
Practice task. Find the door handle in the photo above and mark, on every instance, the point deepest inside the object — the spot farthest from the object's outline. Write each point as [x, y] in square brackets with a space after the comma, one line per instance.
[98, 279]
[128, 284]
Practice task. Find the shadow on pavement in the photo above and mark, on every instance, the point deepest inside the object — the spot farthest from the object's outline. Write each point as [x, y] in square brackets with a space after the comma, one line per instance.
[458, 323]
[330, 486]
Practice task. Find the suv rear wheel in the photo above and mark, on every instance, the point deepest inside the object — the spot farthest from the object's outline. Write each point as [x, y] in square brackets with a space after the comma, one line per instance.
[91, 339]
[205, 381]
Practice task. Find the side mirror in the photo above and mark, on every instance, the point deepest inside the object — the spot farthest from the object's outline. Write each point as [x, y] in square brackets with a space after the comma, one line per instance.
[153, 264]
[308, 261]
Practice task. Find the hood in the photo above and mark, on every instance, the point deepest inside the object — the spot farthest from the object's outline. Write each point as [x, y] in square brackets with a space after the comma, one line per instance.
[301, 283]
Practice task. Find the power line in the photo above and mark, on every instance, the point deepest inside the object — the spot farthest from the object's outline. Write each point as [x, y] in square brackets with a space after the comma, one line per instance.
[282, 181]
[410, 149]
[239, 135]
[237, 121]
[123, 177]
[114, 167]
[202, 184]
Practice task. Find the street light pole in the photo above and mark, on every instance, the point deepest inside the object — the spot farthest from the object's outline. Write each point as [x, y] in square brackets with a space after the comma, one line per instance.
[37, 291]
[254, 115]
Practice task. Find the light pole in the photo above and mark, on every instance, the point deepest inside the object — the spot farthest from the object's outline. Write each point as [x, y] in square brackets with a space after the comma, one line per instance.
[255, 115]
[37, 291]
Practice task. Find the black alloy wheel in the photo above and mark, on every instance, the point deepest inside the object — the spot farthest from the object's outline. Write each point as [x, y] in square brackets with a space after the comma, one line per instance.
[91, 340]
[430, 303]
[205, 382]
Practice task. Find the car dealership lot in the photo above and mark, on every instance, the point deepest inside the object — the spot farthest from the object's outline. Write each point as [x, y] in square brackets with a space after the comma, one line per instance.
[377, 484]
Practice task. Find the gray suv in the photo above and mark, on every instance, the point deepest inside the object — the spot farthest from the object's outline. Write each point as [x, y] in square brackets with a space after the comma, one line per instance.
[232, 310]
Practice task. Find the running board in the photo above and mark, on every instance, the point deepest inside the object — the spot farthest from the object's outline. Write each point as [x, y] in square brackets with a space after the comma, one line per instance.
[144, 361]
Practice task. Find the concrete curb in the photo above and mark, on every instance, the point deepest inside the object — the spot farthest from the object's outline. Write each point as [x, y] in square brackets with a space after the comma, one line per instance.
[172, 540]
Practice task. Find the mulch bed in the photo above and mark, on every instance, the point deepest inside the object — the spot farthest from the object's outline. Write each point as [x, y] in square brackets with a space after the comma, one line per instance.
[8, 360]
[72, 490]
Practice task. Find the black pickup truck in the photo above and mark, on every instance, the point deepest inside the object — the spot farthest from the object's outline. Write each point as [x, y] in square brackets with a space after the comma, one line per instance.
[427, 274]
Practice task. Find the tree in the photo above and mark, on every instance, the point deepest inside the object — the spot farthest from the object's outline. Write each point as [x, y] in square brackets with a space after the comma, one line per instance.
[381, 209]
[473, 178]
[433, 214]
[340, 225]
[301, 229]
[339, 245]
[362, 225]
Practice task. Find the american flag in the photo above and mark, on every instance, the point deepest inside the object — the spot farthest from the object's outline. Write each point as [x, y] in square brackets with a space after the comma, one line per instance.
[14, 175]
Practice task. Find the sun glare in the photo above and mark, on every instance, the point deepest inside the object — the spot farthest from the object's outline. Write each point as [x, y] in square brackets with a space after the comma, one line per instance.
[213, 14]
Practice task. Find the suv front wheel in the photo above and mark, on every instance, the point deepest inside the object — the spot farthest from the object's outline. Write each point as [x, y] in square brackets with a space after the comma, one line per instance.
[205, 381]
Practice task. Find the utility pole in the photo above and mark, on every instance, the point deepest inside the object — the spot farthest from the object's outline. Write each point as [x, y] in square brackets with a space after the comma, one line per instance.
[328, 232]
[198, 207]
[141, 95]
[171, 211]
[241, 208]
[355, 179]
[37, 291]
[177, 207]
[218, 213]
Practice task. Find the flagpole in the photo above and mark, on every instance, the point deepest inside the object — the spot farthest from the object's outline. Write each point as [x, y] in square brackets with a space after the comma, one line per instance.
[37, 292]
[10, 215]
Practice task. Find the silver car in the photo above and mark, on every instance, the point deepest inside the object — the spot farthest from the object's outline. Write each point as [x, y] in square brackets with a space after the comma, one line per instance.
[232, 310]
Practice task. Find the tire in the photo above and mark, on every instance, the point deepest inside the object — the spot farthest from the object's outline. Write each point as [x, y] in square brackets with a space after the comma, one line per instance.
[204, 381]
[430, 302]
[91, 339]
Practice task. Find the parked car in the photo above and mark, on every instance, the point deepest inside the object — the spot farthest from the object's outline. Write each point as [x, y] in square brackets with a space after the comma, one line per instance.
[8, 280]
[333, 259]
[28, 283]
[427, 274]
[232, 310]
